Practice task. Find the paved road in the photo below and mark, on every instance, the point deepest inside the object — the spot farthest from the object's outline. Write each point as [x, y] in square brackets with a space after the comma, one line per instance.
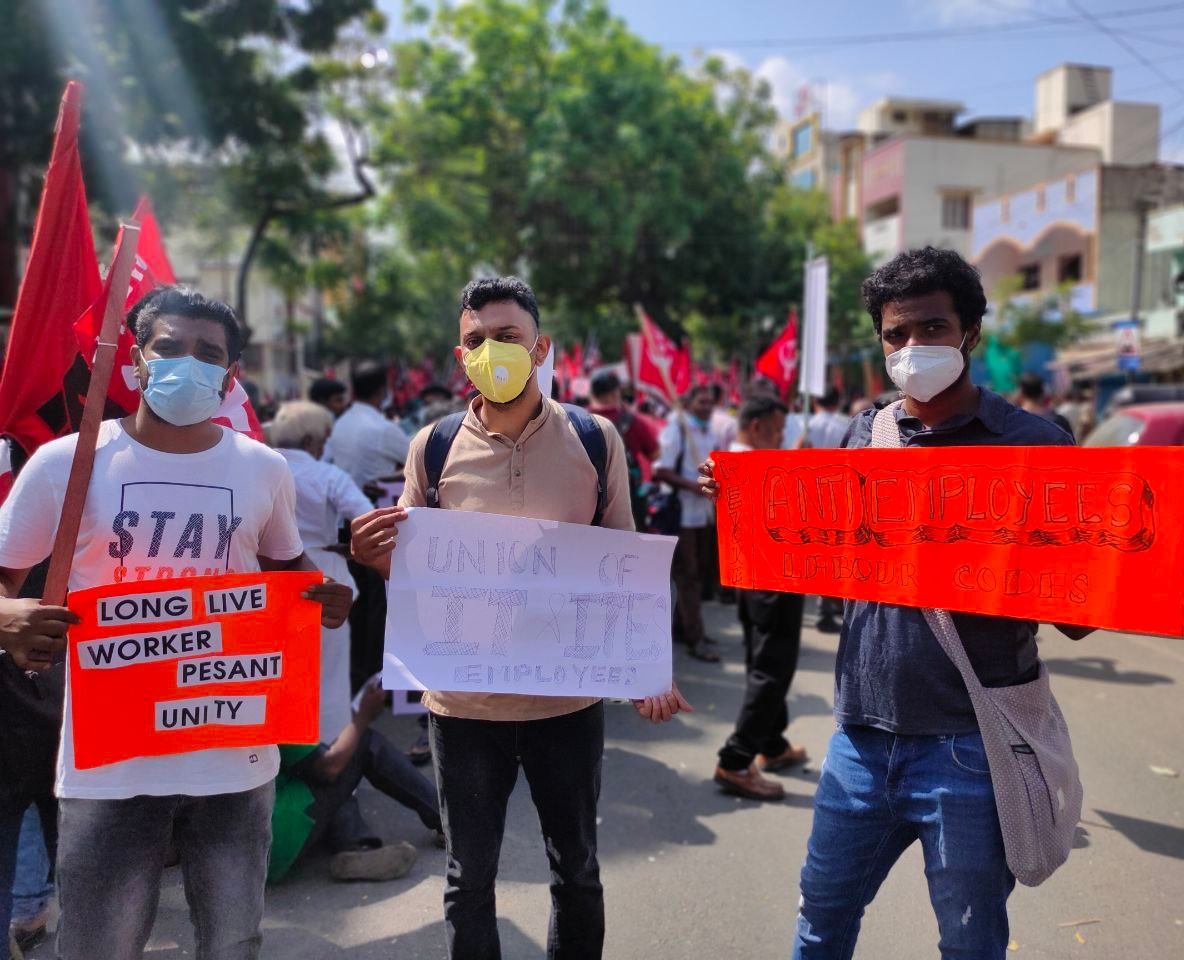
[692, 873]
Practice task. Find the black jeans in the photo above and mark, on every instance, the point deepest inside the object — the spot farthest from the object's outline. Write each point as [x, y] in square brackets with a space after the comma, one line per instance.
[367, 625]
[772, 639]
[387, 769]
[476, 767]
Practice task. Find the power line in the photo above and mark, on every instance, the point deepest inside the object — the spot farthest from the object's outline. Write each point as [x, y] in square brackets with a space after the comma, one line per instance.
[1126, 45]
[1029, 26]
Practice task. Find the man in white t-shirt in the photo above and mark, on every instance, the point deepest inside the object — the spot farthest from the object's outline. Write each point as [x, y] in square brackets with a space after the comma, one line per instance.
[171, 495]
[685, 442]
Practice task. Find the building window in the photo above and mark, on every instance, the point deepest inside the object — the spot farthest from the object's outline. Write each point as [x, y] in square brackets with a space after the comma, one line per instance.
[955, 211]
[1069, 268]
[803, 179]
[803, 139]
[1030, 276]
[899, 116]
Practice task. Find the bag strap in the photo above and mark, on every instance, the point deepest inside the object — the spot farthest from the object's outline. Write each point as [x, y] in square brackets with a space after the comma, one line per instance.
[444, 432]
[435, 452]
[886, 433]
[592, 438]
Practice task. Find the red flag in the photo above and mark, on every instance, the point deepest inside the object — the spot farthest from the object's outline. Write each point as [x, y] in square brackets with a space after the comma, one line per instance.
[41, 396]
[661, 363]
[780, 362]
[151, 248]
[152, 270]
[237, 413]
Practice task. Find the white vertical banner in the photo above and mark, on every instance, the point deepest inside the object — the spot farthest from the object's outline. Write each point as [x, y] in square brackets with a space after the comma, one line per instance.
[813, 361]
[546, 372]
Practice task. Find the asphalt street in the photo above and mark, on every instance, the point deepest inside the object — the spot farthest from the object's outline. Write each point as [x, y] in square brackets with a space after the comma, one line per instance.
[690, 872]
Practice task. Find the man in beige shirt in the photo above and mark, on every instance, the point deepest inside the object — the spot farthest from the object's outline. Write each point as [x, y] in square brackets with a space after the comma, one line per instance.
[516, 454]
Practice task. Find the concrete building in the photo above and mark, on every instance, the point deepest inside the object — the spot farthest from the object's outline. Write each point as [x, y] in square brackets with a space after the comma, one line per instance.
[1079, 232]
[808, 151]
[1165, 236]
[921, 189]
[914, 172]
[274, 358]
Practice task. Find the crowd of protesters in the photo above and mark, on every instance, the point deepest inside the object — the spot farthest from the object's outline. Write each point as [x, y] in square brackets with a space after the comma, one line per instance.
[330, 495]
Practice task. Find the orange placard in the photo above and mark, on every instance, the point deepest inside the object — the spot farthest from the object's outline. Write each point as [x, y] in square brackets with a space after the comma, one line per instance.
[171, 666]
[1093, 537]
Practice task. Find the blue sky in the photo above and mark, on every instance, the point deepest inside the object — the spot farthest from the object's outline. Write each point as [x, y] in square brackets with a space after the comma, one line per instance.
[985, 53]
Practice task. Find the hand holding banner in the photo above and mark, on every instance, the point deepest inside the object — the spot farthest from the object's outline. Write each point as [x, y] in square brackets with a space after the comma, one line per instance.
[171, 666]
[1093, 537]
[494, 604]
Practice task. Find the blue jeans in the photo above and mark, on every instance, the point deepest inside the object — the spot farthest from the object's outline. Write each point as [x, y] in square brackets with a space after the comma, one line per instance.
[19, 863]
[33, 885]
[878, 793]
[477, 765]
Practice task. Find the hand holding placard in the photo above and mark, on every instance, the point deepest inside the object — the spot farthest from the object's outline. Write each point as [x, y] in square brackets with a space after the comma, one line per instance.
[172, 666]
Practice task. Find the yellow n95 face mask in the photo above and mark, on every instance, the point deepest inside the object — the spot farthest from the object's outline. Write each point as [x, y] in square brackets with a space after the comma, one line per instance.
[499, 370]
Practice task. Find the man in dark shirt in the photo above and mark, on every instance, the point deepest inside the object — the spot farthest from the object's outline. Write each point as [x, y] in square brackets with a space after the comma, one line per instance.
[907, 761]
[1034, 399]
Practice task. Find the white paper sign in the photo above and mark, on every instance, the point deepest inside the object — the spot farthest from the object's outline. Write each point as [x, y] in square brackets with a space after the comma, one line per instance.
[493, 604]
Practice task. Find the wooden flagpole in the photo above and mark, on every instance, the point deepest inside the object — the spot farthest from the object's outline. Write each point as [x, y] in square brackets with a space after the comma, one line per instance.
[58, 577]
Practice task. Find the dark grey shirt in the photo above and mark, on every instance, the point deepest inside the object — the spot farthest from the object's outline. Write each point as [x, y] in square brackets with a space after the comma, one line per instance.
[891, 672]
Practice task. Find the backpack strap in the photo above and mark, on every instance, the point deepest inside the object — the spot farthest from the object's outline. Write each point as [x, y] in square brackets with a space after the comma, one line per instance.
[592, 437]
[435, 452]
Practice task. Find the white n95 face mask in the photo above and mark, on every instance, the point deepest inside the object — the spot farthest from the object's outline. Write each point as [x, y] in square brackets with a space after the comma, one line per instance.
[923, 372]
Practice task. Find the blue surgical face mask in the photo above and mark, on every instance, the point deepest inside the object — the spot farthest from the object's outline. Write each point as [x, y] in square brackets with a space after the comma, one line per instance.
[184, 390]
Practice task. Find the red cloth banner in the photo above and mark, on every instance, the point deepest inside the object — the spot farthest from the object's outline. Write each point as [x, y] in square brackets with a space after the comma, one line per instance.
[172, 666]
[1086, 536]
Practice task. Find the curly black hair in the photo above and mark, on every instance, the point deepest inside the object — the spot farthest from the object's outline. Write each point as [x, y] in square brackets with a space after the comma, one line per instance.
[180, 301]
[915, 273]
[487, 290]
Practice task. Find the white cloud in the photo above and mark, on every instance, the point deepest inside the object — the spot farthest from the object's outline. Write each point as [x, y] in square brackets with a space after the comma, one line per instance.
[949, 12]
[840, 98]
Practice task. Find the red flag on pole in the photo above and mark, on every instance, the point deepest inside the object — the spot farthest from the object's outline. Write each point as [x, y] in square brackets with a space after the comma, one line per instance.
[661, 363]
[152, 269]
[151, 249]
[780, 362]
[44, 380]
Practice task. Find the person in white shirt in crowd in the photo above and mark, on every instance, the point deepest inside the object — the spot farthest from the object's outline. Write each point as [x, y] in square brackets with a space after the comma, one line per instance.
[369, 447]
[326, 498]
[331, 394]
[684, 443]
[171, 495]
[825, 429]
[365, 444]
[724, 424]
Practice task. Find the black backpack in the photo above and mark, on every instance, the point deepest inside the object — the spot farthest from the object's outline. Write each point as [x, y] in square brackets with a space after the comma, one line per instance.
[435, 452]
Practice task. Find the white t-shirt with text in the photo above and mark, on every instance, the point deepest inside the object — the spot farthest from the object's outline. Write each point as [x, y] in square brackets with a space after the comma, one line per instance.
[151, 515]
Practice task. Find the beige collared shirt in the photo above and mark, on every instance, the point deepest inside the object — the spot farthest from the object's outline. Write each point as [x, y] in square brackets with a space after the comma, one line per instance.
[547, 475]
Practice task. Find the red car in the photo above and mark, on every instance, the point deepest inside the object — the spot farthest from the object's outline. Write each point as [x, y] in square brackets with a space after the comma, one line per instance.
[1147, 424]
